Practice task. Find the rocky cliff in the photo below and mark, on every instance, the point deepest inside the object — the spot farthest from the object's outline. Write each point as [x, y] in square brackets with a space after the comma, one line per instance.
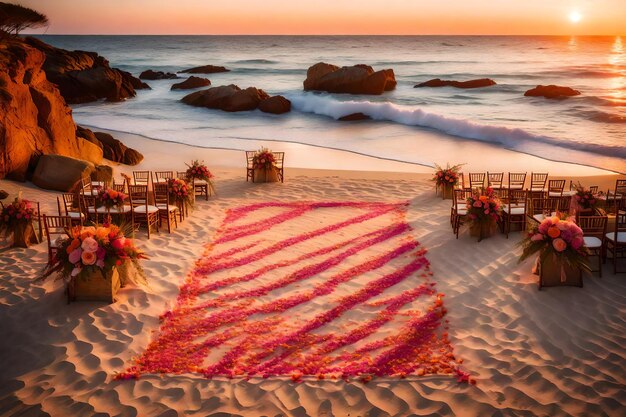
[85, 76]
[34, 117]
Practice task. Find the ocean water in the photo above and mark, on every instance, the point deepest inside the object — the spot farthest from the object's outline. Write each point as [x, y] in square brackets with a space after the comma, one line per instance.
[589, 129]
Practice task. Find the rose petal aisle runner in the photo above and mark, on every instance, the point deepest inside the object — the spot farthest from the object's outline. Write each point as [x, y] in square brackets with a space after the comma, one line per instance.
[329, 289]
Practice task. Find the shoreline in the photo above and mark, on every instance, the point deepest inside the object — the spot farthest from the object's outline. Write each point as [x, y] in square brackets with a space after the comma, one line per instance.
[350, 163]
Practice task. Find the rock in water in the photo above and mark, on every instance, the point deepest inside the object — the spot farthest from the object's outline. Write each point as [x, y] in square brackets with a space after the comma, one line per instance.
[275, 105]
[357, 79]
[205, 69]
[34, 117]
[551, 91]
[85, 76]
[481, 82]
[191, 82]
[227, 97]
[354, 117]
[60, 173]
[157, 75]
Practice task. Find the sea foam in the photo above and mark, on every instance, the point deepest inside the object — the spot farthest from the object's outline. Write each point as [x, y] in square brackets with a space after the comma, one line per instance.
[510, 138]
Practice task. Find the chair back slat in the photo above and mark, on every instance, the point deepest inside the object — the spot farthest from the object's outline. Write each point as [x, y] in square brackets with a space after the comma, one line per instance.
[477, 179]
[138, 195]
[594, 189]
[160, 194]
[555, 187]
[517, 180]
[538, 181]
[495, 179]
[593, 225]
[161, 177]
[141, 177]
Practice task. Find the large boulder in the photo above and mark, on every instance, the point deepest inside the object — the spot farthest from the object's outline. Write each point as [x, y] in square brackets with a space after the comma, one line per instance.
[205, 69]
[34, 117]
[275, 105]
[114, 150]
[437, 82]
[357, 79]
[132, 157]
[85, 76]
[157, 75]
[102, 173]
[227, 97]
[60, 173]
[191, 82]
[551, 91]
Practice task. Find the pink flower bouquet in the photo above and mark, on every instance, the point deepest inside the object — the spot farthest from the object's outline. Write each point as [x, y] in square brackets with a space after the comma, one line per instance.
[557, 235]
[263, 159]
[447, 176]
[87, 249]
[180, 191]
[484, 206]
[110, 198]
[19, 212]
[199, 171]
[585, 199]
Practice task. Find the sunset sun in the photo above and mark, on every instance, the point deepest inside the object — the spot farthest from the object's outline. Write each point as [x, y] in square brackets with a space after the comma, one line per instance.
[575, 16]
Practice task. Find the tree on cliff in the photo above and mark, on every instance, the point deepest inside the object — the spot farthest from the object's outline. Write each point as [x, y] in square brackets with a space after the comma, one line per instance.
[15, 18]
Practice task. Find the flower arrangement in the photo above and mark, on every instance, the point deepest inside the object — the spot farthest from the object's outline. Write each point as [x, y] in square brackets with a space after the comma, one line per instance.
[179, 191]
[110, 198]
[585, 198]
[88, 249]
[263, 159]
[18, 213]
[197, 170]
[557, 235]
[447, 176]
[483, 206]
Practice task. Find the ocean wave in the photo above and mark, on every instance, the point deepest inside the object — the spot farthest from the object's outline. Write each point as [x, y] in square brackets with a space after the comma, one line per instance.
[255, 61]
[603, 117]
[510, 138]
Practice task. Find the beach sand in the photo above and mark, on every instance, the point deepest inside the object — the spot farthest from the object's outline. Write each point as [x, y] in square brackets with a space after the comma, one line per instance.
[555, 352]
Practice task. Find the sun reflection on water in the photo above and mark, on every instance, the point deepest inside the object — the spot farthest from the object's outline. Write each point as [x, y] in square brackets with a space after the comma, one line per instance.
[617, 60]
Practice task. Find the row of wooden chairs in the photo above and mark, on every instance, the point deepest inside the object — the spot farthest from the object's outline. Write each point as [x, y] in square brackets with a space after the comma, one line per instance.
[200, 188]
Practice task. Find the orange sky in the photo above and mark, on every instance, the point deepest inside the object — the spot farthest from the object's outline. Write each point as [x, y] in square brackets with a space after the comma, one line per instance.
[502, 17]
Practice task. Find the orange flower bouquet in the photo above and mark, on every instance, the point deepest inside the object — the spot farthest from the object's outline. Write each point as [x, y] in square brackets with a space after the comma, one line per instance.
[557, 236]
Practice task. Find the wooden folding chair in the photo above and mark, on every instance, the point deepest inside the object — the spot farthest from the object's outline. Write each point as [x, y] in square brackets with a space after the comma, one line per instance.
[540, 208]
[141, 211]
[594, 230]
[141, 177]
[477, 180]
[459, 209]
[55, 227]
[555, 188]
[73, 208]
[517, 180]
[161, 177]
[279, 164]
[166, 211]
[514, 210]
[616, 241]
[495, 180]
[250, 165]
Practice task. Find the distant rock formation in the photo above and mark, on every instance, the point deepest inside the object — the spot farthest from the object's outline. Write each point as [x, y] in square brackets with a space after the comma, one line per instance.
[481, 82]
[191, 82]
[357, 79]
[227, 97]
[551, 91]
[205, 69]
[34, 117]
[275, 105]
[85, 76]
[354, 117]
[157, 75]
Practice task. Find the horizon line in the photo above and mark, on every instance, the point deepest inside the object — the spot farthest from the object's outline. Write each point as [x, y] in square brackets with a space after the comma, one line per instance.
[312, 34]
